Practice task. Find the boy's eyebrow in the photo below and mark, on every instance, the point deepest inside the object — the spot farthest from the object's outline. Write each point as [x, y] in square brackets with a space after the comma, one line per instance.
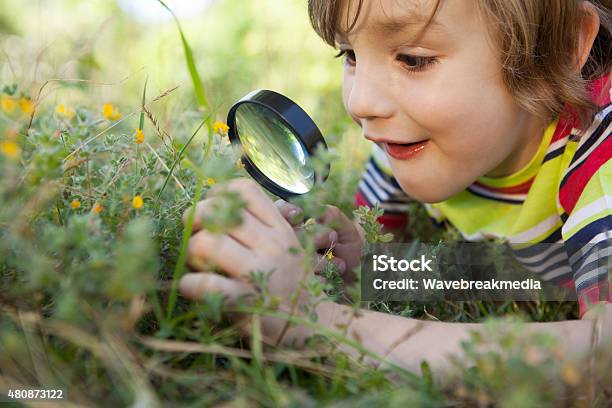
[396, 25]
[392, 26]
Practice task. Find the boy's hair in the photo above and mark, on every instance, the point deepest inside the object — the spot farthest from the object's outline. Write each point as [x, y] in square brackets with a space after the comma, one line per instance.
[537, 39]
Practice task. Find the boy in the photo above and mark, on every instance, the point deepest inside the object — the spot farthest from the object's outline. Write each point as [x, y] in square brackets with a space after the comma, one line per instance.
[463, 97]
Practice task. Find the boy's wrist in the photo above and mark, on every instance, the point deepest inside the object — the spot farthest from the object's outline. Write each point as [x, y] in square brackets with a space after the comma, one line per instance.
[327, 314]
[336, 316]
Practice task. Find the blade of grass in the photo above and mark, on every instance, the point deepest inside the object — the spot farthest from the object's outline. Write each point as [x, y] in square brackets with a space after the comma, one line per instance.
[191, 66]
[179, 268]
[144, 96]
[195, 78]
[179, 158]
[141, 127]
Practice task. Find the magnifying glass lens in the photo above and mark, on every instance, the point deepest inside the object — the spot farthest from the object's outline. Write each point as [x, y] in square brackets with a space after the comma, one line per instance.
[273, 148]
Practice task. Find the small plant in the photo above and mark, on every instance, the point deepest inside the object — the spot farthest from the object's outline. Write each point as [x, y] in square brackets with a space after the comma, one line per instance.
[368, 219]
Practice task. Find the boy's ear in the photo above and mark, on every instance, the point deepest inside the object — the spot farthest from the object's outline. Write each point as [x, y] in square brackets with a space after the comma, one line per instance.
[589, 27]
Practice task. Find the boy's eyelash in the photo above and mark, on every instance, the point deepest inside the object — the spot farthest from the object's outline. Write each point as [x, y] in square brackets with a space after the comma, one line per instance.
[425, 62]
[342, 53]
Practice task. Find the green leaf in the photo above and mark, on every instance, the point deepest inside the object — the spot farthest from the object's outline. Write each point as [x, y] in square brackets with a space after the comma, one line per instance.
[191, 66]
[144, 95]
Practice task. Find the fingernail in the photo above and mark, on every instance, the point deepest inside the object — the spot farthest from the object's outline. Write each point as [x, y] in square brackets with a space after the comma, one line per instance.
[333, 237]
[295, 215]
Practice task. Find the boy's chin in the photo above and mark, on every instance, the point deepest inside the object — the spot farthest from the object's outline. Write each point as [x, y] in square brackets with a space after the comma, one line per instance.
[431, 194]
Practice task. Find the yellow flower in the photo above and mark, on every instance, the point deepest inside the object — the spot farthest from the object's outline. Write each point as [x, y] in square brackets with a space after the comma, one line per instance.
[329, 255]
[97, 208]
[8, 103]
[137, 202]
[220, 128]
[26, 105]
[65, 111]
[111, 112]
[107, 110]
[75, 204]
[210, 181]
[10, 149]
[139, 136]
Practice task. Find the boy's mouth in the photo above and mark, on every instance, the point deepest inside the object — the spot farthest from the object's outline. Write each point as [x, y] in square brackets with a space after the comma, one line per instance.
[404, 151]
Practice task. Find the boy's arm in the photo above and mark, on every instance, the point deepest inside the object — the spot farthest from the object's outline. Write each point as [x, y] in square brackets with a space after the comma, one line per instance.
[407, 342]
[585, 195]
[585, 205]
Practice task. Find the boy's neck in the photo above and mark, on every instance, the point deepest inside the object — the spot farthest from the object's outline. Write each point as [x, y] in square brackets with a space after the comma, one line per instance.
[525, 149]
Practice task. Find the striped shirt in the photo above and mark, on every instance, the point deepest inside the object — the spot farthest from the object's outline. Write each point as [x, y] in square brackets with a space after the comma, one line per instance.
[563, 195]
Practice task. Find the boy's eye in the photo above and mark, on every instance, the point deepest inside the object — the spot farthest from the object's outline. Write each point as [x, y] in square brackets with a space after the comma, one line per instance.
[349, 56]
[416, 63]
[413, 63]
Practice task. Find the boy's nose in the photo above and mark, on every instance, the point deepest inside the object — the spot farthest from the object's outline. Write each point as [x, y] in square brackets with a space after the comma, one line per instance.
[368, 96]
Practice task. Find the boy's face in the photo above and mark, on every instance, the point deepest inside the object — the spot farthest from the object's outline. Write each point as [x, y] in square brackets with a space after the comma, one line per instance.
[445, 89]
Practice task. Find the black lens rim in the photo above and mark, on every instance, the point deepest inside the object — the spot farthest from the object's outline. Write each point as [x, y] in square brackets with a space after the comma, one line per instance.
[295, 118]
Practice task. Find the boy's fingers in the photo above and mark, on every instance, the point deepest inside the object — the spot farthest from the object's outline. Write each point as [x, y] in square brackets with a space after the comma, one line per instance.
[336, 219]
[292, 213]
[340, 264]
[186, 214]
[252, 233]
[321, 262]
[199, 264]
[222, 250]
[197, 285]
[258, 203]
[202, 209]
[250, 228]
[326, 238]
[248, 232]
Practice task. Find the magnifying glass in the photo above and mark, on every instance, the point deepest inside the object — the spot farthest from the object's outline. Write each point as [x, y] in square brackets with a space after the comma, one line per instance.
[278, 141]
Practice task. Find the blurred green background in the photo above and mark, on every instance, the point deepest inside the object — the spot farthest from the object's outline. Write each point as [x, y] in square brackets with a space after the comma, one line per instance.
[238, 46]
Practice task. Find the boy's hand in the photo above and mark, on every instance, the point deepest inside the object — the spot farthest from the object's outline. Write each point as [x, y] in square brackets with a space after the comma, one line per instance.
[339, 235]
[262, 242]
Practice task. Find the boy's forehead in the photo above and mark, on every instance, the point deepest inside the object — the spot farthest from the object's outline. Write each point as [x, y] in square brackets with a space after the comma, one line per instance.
[387, 17]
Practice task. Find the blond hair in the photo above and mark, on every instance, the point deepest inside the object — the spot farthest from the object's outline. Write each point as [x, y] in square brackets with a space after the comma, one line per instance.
[538, 41]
